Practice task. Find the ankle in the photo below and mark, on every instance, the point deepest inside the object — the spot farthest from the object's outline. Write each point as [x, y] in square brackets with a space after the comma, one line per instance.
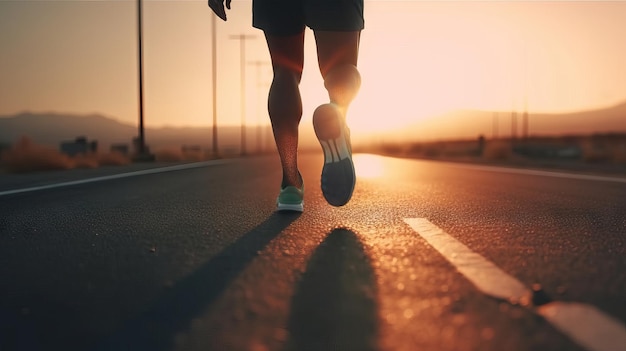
[292, 181]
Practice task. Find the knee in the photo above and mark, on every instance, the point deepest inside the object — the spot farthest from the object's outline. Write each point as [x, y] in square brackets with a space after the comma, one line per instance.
[343, 83]
[285, 75]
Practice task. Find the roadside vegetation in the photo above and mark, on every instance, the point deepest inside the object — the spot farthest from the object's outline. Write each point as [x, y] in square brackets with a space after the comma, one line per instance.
[599, 150]
[173, 154]
[589, 150]
[27, 156]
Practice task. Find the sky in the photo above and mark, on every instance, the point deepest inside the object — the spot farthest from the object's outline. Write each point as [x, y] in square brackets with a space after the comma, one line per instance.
[418, 59]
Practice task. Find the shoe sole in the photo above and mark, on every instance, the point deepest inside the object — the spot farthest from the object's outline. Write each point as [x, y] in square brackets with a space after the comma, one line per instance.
[290, 207]
[338, 176]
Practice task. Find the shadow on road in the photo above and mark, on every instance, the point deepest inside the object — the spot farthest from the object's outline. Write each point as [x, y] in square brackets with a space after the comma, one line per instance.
[335, 303]
[155, 329]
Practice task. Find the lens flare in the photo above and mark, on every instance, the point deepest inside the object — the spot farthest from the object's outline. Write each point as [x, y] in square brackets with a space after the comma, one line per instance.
[368, 166]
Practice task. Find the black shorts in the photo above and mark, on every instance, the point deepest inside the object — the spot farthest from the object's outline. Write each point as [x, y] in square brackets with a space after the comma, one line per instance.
[289, 17]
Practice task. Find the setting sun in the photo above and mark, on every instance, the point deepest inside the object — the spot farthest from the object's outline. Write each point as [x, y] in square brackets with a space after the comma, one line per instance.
[368, 166]
[418, 60]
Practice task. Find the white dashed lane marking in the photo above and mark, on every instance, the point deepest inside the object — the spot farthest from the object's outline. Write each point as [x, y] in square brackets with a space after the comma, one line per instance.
[584, 324]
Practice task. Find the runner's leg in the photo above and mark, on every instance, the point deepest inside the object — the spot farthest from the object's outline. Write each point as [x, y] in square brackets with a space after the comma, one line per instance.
[284, 102]
[337, 54]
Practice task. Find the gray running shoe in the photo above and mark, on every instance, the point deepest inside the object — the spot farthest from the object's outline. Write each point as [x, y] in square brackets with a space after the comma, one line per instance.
[338, 177]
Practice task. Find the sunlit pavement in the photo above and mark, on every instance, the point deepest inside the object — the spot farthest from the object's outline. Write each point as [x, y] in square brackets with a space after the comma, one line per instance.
[427, 256]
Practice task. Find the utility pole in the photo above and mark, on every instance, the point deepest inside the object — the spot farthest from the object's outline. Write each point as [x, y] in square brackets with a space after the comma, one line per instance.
[141, 143]
[258, 64]
[214, 83]
[525, 120]
[514, 125]
[242, 51]
[495, 125]
[524, 125]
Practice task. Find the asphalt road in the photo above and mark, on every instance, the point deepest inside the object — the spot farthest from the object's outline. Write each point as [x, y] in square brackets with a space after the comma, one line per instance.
[196, 259]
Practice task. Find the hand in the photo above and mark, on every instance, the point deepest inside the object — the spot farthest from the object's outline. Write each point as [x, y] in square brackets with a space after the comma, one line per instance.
[218, 7]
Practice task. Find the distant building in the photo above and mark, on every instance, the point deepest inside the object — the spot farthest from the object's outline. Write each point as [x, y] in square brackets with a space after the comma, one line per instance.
[80, 145]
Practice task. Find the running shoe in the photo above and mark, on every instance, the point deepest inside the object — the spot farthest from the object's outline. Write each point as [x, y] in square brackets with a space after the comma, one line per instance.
[338, 175]
[290, 198]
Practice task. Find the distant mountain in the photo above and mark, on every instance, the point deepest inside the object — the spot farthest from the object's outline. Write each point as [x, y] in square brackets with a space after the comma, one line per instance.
[53, 128]
[610, 119]
[464, 124]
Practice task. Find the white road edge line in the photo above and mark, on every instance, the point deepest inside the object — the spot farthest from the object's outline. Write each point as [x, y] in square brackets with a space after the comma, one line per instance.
[553, 174]
[114, 176]
[585, 324]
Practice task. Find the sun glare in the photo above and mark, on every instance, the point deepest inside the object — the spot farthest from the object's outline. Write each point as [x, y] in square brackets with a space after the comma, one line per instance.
[368, 166]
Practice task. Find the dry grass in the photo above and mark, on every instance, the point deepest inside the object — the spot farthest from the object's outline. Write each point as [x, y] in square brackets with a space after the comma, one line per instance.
[85, 161]
[26, 156]
[619, 155]
[609, 148]
[113, 159]
[178, 155]
[497, 151]
[168, 155]
[594, 154]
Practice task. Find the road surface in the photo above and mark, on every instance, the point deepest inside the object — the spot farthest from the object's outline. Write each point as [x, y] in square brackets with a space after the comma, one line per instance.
[427, 256]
